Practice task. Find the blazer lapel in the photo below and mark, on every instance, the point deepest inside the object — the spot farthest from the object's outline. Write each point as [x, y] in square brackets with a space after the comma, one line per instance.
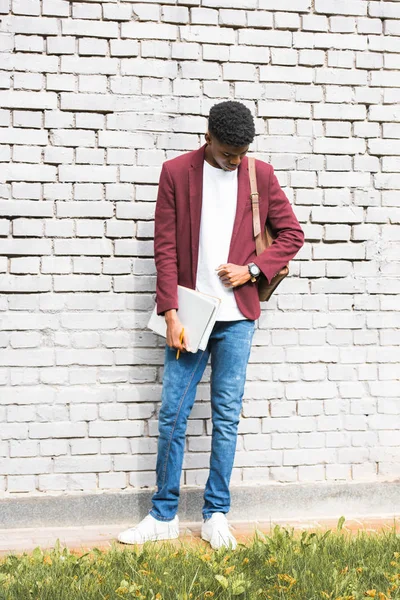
[195, 204]
[242, 198]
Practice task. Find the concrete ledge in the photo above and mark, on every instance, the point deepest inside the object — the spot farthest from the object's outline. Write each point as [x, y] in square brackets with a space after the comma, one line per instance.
[249, 503]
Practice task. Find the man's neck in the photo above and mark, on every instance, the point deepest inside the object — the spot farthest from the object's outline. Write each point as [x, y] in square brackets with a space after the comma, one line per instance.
[208, 157]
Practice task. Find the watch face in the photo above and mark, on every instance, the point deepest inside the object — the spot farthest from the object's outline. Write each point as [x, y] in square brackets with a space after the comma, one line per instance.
[254, 270]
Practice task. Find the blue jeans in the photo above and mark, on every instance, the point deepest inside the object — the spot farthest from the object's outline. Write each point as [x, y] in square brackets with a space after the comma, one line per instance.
[229, 346]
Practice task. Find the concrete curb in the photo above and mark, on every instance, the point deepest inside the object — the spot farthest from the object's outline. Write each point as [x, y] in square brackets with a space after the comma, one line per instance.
[249, 503]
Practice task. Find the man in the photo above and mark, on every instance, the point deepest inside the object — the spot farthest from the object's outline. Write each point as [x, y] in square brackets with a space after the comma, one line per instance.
[204, 240]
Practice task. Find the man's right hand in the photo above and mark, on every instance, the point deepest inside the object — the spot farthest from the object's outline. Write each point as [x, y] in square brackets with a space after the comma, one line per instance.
[174, 330]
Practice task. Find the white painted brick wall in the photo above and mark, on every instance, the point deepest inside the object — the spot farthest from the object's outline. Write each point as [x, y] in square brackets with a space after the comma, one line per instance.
[93, 98]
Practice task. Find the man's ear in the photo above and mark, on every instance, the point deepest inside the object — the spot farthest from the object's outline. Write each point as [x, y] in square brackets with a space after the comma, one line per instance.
[207, 138]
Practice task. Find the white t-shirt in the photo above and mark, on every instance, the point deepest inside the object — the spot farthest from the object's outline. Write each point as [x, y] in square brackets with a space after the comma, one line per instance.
[217, 218]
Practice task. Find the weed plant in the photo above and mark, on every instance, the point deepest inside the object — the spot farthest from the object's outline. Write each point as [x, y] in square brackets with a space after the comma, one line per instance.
[332, 565]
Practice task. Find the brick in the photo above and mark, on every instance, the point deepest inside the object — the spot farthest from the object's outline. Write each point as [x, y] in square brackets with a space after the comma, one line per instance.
[343, 7]
[87, 173]
[286, 74]
[284, 109]
[287, 5]
[238, 71]
[286, 21]
[311, 57]
[150, 31]
[249, 54]
[385, 79]
[283, 56]
[117, 12]
[391, 27]
[124, 48]
[82, 464]
[254, 37]
[84, 65]
[339, 112]
[372, 60]
[388, 10]
[332, 146]
[261, 19]
[383, 44]
[59, 8]
[86, 28]
[147, 68]
[31, 43]
[314, 23]
[175, 14]
[86, 11]
[382, 147]
[116, 428]
[92, 47]
[234, 18]
[29, 25]
[203, 16]
[366, 25]
[28, 100]
[342, 24]
[384, 113]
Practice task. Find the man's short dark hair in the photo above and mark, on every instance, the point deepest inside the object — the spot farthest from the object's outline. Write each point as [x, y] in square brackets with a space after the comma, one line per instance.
[231, 123]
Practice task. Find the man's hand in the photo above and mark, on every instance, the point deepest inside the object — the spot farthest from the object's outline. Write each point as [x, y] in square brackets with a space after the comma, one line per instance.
[233, 275]
[174, 330]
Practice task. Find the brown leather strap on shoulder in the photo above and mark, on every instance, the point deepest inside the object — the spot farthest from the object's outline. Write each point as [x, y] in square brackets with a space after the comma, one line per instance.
[255, 205]
[254, 198]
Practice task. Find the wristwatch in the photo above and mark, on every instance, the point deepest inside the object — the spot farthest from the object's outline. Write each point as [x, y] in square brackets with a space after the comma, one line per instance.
[254, 271]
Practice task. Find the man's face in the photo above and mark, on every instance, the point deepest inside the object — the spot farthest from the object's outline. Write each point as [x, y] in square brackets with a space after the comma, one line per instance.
[224, 156]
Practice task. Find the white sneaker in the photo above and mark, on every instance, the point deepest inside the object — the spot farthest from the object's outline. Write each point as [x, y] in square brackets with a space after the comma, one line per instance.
[216, 531]
[150, 530]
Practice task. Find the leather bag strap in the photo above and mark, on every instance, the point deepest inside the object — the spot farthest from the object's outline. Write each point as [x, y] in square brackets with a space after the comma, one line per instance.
[255, 205]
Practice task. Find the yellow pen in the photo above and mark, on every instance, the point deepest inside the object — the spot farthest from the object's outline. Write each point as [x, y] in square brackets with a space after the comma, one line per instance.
[180, 341]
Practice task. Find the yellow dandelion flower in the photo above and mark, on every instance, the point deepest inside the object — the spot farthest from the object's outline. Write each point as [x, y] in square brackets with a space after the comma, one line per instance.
[286, 577]
[370, 593]
[272, 560]
[47, 560]
[393, 563]
[205, 557]
[229, 570]
[245, 561]
[325, 595]
[344, 571]
[382, 596]
[208, 594]
[396, 554]
[359, 569]
[158, 597]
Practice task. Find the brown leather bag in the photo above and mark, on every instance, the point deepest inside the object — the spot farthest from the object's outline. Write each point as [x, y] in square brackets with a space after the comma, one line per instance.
[263, 239]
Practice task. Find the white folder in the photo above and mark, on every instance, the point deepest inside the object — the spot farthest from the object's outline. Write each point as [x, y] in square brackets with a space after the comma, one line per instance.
[197, 312]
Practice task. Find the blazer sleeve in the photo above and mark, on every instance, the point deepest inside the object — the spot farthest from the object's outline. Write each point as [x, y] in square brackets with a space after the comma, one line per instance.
[165, 252]
[290, 236]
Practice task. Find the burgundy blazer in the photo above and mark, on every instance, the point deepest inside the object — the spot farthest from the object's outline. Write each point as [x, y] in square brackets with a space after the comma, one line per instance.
[177, 229]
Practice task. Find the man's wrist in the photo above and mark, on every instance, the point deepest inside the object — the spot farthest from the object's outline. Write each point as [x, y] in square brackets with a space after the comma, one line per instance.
[170, 315]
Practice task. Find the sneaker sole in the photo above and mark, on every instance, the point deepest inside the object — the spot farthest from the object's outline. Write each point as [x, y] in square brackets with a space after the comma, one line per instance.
[154, 538]
[207, 538]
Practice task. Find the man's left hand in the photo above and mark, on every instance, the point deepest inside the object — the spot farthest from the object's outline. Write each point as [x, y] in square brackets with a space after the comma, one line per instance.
[233, 275]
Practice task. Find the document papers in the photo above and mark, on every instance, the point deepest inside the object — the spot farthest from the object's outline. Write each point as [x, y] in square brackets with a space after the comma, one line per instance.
[197, 312]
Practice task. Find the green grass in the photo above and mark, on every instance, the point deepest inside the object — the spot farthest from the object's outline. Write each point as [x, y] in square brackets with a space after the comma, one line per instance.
[282, 565]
